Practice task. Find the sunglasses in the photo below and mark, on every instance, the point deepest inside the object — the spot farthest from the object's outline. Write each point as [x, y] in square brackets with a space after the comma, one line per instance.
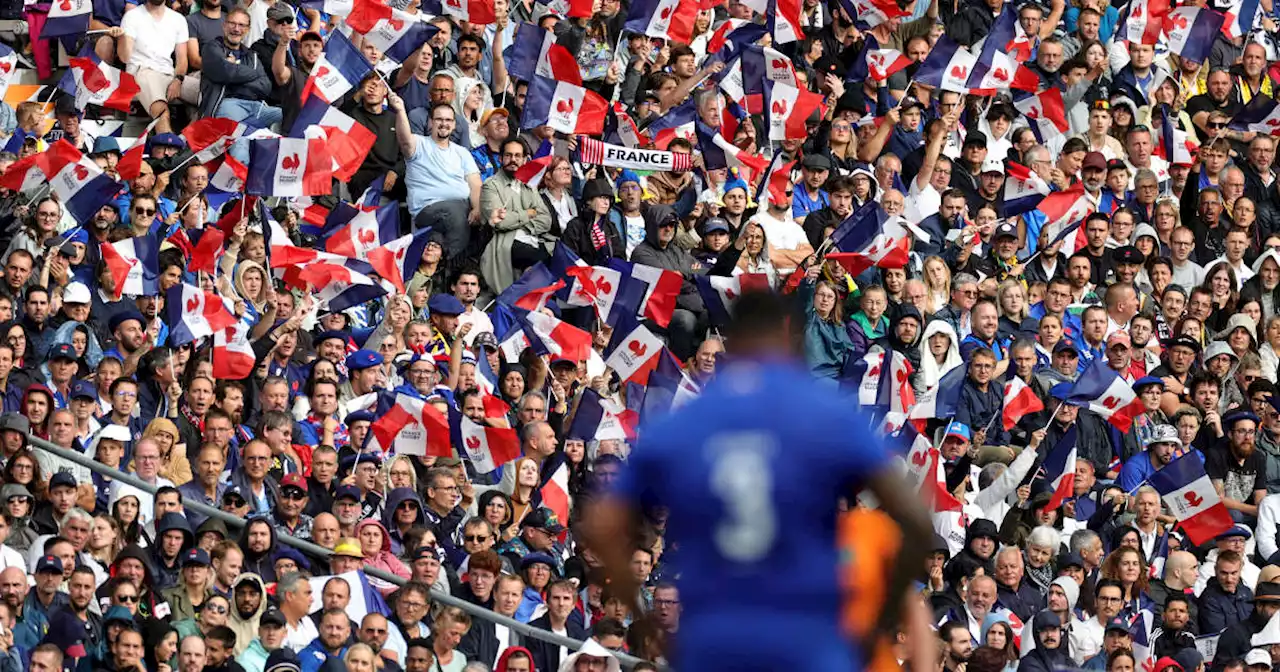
[145, 212]
[215, 609]
[294, 494]
[475, 538]
[1217, 124]
[126, 598]
[234, 501]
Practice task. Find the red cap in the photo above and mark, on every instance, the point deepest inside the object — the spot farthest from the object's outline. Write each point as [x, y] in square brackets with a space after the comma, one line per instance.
[295, 480]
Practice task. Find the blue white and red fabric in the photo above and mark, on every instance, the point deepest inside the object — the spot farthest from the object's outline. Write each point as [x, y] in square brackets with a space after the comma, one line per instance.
[720, 292]
[339, 69]
[1064, 212]
[92, 82]
[633, 353]
[330, 7]
[83, 187]
[134, 264]
[534, 52]
[67, 18]
[289, 167]
[1192, 498]
[210, 137]
[1048, 111]
[551, 336]
[1260, 115]
[487, 448]
[233, 356]
[1107, 394]
[947, 66]
[783, 19]
[397, 34]
[664, 19]
[564, 107]
[1241, 17]
[194, 314]
[1191, 31]
[1023, 190]
[398, 260]
[1143, 21]
[788, 109]
[349, 141]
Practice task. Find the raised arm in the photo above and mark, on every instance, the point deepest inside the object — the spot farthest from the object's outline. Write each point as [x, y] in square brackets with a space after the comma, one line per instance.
[404, 136]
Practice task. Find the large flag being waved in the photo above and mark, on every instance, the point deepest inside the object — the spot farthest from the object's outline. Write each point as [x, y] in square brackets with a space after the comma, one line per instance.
[397, 260]
[407, 425]
[340, 69]
[92, 82]
[486, 447]
[194, 313]
[1019, 401]
[1191, 31]
[83, 188]
[1192, 498]
[1023, 190]
[564, 107]
[134, 264]
[789, 108]
[665, 19]
[233, 356]
[395, 33]
[534, 52]
[549, 336]
[210, 137]
[1065, 210]
[947, 67]
[349, 141]
[1107, 394]
[1143, 22]
[289, 167]
[1048, 112]
[661, 288]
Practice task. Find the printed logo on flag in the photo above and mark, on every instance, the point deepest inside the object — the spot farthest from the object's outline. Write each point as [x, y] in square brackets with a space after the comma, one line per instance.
[290, 172]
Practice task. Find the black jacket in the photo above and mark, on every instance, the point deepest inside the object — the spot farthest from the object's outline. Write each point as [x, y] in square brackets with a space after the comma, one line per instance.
[671, 258]
[481, 641]
[577, 237]
[243, 79]
[546, 656]
[1220, 609]
[1235, 641]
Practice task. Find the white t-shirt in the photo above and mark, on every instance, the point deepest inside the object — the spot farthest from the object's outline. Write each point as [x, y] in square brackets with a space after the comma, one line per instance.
[154, 41]
[298, 638]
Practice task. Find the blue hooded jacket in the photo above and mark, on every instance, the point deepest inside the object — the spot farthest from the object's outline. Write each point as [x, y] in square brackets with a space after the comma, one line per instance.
[395, 498]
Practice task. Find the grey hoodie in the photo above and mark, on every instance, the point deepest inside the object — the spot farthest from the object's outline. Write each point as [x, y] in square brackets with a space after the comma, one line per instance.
[672, 257]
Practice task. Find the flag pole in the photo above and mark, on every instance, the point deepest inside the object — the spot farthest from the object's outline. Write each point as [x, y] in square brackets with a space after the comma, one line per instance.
[44, 189]
[1053, 415]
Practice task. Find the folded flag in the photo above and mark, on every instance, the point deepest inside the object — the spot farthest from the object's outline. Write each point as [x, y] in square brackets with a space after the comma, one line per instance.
[233, 356]
[1023, 190]
[226, 174]
[1102, 391]
[719, 293]
[348, 141]
[1060, 469]
[1019, 401]
[289, 167]
[92, 82]
[194, 314]
[395, 33]
[1143, 21]
[563, 107]
[339, 69]
[996, 68]
[550, 336]
[1191, 31]
[533, 170]
[1192, 498]
[67, 18]
[884, 63]
[134, 266]
[665, 19]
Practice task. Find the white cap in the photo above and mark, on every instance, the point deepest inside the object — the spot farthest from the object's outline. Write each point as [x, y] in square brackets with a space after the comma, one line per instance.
[992, 165]
[75, 292]
[1257, 657]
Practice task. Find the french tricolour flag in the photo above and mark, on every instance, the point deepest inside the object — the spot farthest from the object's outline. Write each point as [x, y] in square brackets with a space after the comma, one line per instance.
[555, 492]
[1143, 22]
[942, 399]
[735, 33]
[289, 167]
[1107, 394]
[665, 19]
[348, 141]
[397, 260]
[600, 288]
[1194, 502]
[339, 69]
[789, 107]
[997, 69]
[233, 356]
[564, 107]
[93, 82]
[83, 188]
[661, 288]
[719, 293]
[407, 425]
[1060, 469]
[947, 67]
[1023, 190]
[486, 447]
[783, 18]
[210, 137]
[1261, 115]
[871, 13]
[478, 12]
[635, 354]
[134, 264]
[338, 287]
[596, 418]
[67, 17]
[1065, 211]
[1048, 112]
[364, 231]
[881, 63]
[8, 66]
[397, 34]
[1241, 17]
[549, 336]
[1191, 31]
[532, 289]
[1019, 400]
[678, 122]
[534, 52]
[194, 313]
[719, 152]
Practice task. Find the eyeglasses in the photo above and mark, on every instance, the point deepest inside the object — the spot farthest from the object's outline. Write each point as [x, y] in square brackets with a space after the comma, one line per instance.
[145, 212]
[215, 609]
[126, 598]
[407, 506]
[234, 501]
[475, 538]
[294, 494]
[414, 605]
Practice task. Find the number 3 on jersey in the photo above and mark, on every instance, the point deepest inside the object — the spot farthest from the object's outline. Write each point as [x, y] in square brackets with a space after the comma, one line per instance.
[742, 478]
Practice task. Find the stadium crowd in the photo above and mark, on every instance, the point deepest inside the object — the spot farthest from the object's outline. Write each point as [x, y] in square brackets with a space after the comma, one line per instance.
[679, 175]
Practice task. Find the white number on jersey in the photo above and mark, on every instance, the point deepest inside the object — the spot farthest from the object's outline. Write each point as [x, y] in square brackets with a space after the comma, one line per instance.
[742, 478]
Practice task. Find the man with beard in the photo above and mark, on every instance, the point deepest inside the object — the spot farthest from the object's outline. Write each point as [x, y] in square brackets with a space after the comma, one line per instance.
[249, 602]
[1173, 634]
[347, 509]
[46, 598]
[441, 177]
[374, 632]
[220, 643]
[174, 535]
[79, 597]
[1161, 445]
[228, 397]
[957, 643]
[334, 635]
[383, 164]
[207, 486]
[28, 627]
[1239, 472]
[466, 288]
[258, 541]
[131, 341]
[839, 191]
[518, 214]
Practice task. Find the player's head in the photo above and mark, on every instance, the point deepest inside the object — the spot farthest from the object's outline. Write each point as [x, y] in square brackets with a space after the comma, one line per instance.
[761, 325]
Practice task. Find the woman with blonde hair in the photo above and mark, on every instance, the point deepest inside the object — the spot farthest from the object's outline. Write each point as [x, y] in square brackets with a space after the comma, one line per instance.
[253, 285]
[173, 463]
[398, 473]
[937, 283]
[448, 628]
[1011, 300]
[360, 658]
[104, 540]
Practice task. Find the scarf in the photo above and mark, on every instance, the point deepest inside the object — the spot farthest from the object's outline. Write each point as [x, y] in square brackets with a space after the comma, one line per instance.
[1040, 577]
[617, 156]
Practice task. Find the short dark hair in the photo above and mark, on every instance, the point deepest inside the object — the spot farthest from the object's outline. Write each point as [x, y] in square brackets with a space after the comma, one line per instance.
[223, 634]
[472, 38]
[26, 296]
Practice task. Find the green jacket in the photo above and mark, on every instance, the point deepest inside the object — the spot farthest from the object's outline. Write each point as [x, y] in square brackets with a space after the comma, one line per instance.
[253, 658]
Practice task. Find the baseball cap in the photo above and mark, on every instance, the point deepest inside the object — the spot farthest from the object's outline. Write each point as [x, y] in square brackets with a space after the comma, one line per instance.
[489, 115]
[1064, 345]
[975, 139]
[272, 617]
[1117, 623]
[1237, 530]
[1127, 254]
[63, 478]
[1120, 337]
[350, 491]
[76, 292]
[486, 339]
[83, 389]
[282, 659]
[233, 491]
[357, 416]
[1184, 341]
[1164, 434]
[280, 13]
[445, 304]
[293, 481]
[363, 359]
[195, 557]
[542, 519]
[49, 563]
[62, 351]
[1094, 161]
[1257, 657]
[1005, 230]
[715, 224]
[992, 165]
[959, 430]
